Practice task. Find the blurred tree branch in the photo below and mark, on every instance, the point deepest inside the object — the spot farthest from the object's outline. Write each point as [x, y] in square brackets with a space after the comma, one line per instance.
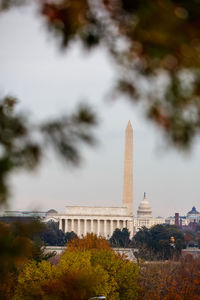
[147, 39]
[19, 149]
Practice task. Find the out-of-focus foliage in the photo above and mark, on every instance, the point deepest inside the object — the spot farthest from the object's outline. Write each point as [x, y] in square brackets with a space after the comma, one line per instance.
[21, 147]
[31, 280]
[120, 238]
[84, 271]
[17, 149]
[150, 41]
[156, 45]
[155, 243]
[6, 4]
[19, 243]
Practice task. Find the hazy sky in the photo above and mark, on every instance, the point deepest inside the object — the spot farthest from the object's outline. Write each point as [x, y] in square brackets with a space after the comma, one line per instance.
[47, 83]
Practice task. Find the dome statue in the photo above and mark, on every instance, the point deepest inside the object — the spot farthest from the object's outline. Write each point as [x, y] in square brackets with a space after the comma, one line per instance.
[144, 209]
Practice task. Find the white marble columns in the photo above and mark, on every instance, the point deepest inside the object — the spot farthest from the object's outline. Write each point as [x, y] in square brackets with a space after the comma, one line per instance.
[99, 226]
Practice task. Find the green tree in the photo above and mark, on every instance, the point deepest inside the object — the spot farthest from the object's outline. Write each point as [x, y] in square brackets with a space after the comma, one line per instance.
[120, 238]
[155, 243]
[52, 235]
[69, 236]
[19, 243]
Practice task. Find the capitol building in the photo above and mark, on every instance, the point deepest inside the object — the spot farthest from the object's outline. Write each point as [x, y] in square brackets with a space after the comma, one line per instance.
[104, 220]
[144, 216]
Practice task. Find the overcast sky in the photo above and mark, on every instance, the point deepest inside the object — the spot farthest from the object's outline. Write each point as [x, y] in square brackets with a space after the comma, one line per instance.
[47, 83]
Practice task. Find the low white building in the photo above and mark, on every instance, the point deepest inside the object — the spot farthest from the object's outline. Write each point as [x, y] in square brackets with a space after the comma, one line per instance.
[104, 220]
[99, 220]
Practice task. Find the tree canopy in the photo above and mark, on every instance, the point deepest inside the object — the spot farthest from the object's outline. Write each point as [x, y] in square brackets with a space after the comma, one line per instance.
[120, 238]
[156, 242]
[53, 236]
[87, 268]
[20, 243]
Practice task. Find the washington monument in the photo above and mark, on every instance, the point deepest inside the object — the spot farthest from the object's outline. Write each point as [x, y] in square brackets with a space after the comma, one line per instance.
[128, 169]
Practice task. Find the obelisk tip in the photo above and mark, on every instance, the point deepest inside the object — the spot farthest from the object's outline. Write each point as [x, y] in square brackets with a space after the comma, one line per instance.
[129, 125]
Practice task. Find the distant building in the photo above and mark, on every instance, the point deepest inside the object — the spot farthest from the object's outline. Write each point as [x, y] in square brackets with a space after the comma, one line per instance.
[24, 216]
[144, 216]
[177, 221]
[193, 215]
[29, 215]
[188, 222]
[25, 213]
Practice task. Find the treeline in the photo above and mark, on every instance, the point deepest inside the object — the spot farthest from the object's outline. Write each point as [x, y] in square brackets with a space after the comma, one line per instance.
[157, 243]
[89, 267]
[192, 237]
[51, 235]
[171, 280]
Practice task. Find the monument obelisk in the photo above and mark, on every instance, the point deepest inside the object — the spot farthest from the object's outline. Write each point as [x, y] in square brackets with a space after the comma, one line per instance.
[128, 169]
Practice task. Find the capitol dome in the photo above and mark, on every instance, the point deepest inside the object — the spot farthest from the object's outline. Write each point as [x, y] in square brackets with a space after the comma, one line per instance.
[144, 209]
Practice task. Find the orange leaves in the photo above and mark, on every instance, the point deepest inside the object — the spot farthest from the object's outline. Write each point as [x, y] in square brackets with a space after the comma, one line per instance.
[171, 280]
[89, 242]
[87, 268]
[66, 18]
